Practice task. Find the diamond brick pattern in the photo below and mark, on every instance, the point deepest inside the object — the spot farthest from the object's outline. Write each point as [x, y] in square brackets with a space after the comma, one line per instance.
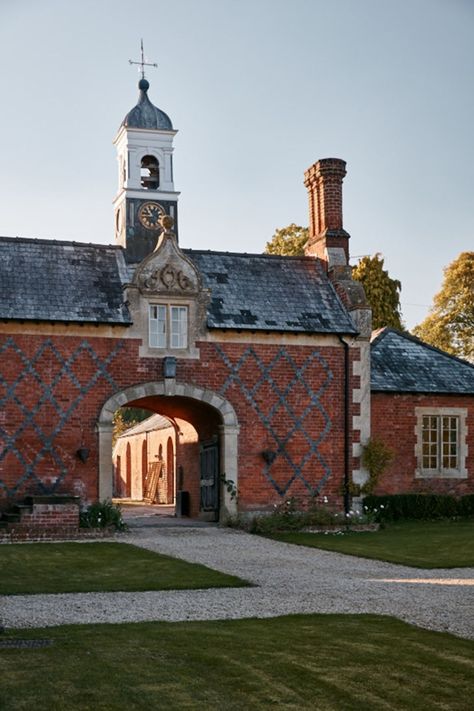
[285, 394]
[43, 387]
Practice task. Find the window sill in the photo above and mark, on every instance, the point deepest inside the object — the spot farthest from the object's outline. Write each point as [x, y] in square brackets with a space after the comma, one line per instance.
[435, 474]
[147, 351]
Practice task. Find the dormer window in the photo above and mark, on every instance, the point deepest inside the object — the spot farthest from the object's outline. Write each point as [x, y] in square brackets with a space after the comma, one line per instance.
[150, 173]
[168, 326]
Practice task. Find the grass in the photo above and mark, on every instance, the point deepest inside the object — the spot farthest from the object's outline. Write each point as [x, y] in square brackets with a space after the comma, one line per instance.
[422, 544]
[99, 567]
[322, 662]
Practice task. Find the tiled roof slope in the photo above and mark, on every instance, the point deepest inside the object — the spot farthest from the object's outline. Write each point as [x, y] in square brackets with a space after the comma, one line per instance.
[402, 363]
[270, 293]
[47, 280]
[155, 422]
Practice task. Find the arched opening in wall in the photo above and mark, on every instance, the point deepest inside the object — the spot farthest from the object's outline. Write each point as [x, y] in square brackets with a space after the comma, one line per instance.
[117, 473]
[176, 454]
[150, 173]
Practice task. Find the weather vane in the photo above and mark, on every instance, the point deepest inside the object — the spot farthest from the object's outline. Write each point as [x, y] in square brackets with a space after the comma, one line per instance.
[143, 64]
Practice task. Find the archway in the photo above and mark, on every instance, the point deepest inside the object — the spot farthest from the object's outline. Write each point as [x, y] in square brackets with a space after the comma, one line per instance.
[209, 413]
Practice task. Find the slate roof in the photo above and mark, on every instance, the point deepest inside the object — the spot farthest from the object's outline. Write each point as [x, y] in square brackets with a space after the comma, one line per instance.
[155, 422]
[46, 280]
[145, 114]
[402, 363]
[262, 292]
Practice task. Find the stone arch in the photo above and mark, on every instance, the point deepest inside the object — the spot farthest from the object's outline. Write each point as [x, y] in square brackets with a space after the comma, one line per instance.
[228, 431]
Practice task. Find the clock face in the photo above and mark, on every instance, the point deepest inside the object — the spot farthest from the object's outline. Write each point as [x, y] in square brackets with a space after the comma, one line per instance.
[149, 214]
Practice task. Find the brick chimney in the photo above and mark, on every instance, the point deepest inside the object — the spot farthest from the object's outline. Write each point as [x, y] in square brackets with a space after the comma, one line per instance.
[327, 238]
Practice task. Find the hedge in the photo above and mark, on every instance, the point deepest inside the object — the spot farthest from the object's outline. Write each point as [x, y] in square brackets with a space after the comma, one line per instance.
[419, 506]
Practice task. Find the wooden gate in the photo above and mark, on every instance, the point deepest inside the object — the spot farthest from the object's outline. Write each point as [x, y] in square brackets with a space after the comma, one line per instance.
[209, 481]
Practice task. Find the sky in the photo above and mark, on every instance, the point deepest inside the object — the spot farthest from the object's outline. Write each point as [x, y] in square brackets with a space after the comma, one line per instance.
[258, 90]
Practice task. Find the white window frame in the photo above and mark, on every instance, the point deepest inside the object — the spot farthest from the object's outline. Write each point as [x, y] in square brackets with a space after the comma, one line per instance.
[439, 414]
[168, 327]
[157, 326]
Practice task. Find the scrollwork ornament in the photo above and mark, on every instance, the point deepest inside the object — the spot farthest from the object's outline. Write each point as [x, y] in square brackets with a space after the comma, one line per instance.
[184, 282]
[168, 276]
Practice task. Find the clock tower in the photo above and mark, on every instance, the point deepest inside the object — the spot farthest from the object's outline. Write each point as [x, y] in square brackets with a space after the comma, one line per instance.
[144, 144]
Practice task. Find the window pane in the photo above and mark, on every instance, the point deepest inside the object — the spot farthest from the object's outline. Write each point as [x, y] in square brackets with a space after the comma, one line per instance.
[157, 326]
[179, 327]
[450, 427]
[430, 442]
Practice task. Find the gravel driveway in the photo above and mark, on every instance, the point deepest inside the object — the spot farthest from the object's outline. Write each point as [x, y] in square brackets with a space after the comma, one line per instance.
[288, 579]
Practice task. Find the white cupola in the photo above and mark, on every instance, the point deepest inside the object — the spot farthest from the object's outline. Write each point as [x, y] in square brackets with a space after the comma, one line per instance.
[144, 144]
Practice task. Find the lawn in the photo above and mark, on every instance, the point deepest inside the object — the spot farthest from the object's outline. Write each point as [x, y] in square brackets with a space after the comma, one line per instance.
[422, 544]
[322, 662]
[99, 567]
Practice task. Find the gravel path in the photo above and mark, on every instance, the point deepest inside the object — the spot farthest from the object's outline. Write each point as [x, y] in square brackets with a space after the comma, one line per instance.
[289, 579]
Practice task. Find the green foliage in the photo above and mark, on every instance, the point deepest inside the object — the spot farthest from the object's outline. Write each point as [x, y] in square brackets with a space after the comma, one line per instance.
[102, 514]
[288, 241]
[399, 507]
[376, 457]
[230, 487]
[290, 516]
[125, 418]
[383, 292]
[450, 323]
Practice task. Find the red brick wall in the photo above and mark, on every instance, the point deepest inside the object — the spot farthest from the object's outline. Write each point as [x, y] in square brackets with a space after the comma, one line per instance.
[187, 456]
[52, 515]
[394, 421]
[288, 399]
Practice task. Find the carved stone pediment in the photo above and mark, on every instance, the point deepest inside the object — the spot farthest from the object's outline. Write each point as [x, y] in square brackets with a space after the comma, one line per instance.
[167, 270]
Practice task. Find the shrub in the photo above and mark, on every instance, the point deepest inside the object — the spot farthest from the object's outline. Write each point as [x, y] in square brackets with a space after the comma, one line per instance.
[419, 506]
[290, 516]
[102, 514]
[466, 506]
[376, 457]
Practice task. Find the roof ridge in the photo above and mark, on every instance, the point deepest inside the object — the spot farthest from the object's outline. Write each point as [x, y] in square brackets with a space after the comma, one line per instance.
[250, 254]
[385, 330]
[60, 242]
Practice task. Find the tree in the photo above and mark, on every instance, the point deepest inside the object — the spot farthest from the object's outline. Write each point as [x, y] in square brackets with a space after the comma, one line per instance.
[382, 292]
[450, 323]
[288, 241]
[126, 417]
